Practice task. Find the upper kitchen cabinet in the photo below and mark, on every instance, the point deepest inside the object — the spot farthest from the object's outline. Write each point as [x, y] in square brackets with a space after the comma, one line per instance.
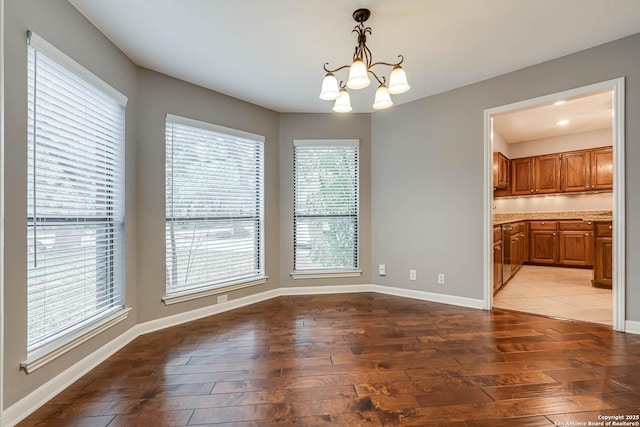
[546, 174]
[522, 176]
[500, 171]
[535, 175]
[602, 168]
[587, 170]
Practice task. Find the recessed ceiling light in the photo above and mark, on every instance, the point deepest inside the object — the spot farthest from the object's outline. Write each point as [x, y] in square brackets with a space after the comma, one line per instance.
[562, 101]
[563, 122]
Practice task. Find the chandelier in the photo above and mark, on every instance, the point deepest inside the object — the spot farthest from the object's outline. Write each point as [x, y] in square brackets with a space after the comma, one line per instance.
[359, 71]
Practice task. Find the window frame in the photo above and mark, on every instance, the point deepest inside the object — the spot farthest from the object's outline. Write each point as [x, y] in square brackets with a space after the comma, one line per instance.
[217, 287]
[61, 341]
[328, 272]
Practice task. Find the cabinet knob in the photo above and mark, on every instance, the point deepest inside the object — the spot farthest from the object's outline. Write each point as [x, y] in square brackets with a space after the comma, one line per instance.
[543, 223]
[610, 227]
[589, 223]
[586, 234]
[532, 191]
[554, 234]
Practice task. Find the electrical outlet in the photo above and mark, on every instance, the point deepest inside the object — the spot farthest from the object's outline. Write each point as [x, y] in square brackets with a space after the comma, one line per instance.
[412, 275]
[440, 278]
[382, 270]
[222, 298]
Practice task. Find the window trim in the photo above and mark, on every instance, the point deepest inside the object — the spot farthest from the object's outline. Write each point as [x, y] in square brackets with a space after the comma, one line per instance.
[209, 289]
[76, 334]
[329, 272]
[219, 288]
[70, 64]
[71, 338]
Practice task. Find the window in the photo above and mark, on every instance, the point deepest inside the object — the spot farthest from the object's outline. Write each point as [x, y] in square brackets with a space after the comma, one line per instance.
[75, 198]
[325, 202]
[214, 206]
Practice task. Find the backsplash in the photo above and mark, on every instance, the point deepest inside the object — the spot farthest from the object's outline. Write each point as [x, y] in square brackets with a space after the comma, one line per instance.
[555, 203]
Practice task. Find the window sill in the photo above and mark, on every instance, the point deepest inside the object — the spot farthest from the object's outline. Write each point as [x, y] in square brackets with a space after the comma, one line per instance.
[70, 340]
[224, 287]
[325, 274]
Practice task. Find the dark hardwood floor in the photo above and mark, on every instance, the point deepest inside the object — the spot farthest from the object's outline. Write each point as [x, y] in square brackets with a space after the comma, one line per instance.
[359, 360]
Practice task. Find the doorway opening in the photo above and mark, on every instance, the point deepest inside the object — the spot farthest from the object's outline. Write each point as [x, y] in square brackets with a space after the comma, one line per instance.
[554, 205]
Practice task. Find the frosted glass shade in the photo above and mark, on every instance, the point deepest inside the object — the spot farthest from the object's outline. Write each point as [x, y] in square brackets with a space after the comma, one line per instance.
[358, 75]
[398, 81]
[343, 103]
[382, 99]
[330, 89]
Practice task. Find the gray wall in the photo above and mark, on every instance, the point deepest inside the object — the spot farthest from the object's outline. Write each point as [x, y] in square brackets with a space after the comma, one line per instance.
[323, 126]
[427, 169]
[63, 26]
[158, 95]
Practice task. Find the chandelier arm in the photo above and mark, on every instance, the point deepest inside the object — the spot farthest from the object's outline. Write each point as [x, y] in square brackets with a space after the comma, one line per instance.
[382, 82]
[337, 69]
[389, 64]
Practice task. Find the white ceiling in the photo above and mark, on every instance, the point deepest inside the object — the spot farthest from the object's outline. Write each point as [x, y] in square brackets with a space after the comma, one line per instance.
[271, 52]
[585, 113]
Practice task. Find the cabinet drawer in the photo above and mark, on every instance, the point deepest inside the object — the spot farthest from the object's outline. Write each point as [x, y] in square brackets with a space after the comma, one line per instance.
[497, 234]
[543, 225]
[517, 227]
[576, 225]
[604, 229]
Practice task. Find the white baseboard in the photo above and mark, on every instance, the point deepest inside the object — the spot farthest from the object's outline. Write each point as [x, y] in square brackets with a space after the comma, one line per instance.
[28, 404]
[429, 296]
[632, 327]
[189, 316]
[322, 290]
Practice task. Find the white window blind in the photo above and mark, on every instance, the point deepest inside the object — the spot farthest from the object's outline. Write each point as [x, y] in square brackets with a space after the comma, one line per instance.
[75, 207]
[214, 206]
[325, 205]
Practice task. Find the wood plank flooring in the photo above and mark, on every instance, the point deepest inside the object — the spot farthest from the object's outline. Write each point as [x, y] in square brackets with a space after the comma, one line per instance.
[359, 360]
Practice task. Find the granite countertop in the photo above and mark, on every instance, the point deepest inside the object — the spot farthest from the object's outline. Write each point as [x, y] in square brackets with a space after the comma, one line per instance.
[595, 216]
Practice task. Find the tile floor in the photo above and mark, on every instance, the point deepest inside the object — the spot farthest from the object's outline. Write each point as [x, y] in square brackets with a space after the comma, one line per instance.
[558, 292]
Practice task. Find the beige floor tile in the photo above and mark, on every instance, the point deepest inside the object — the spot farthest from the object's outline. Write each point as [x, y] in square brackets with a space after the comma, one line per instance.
[558, 292]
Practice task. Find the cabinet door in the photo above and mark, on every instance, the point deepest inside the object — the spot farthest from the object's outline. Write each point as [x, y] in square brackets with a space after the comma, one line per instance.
[500, 171]
[522, 176]
[576, 171]
[602, 169]
[544, 247]
[603, 265]
[521, 248]
[514, 253]
[576, 248]
[546, 172]
[497, 265]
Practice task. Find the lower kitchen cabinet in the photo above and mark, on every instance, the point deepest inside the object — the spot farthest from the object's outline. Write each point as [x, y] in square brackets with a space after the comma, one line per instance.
[544, 246]
[497, 265]
[576, 248]
[603, 257]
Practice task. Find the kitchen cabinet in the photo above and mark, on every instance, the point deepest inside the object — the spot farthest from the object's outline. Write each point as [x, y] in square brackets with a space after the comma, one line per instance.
[497, 265]
[543, 236]
[536, 175]
[602, 169]
[567, 243]
[516, 247]
[546, 174]
[572, 171]
[522, 176]
[576, 243]
[603, 257]
[587, 170]
[500, 171]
